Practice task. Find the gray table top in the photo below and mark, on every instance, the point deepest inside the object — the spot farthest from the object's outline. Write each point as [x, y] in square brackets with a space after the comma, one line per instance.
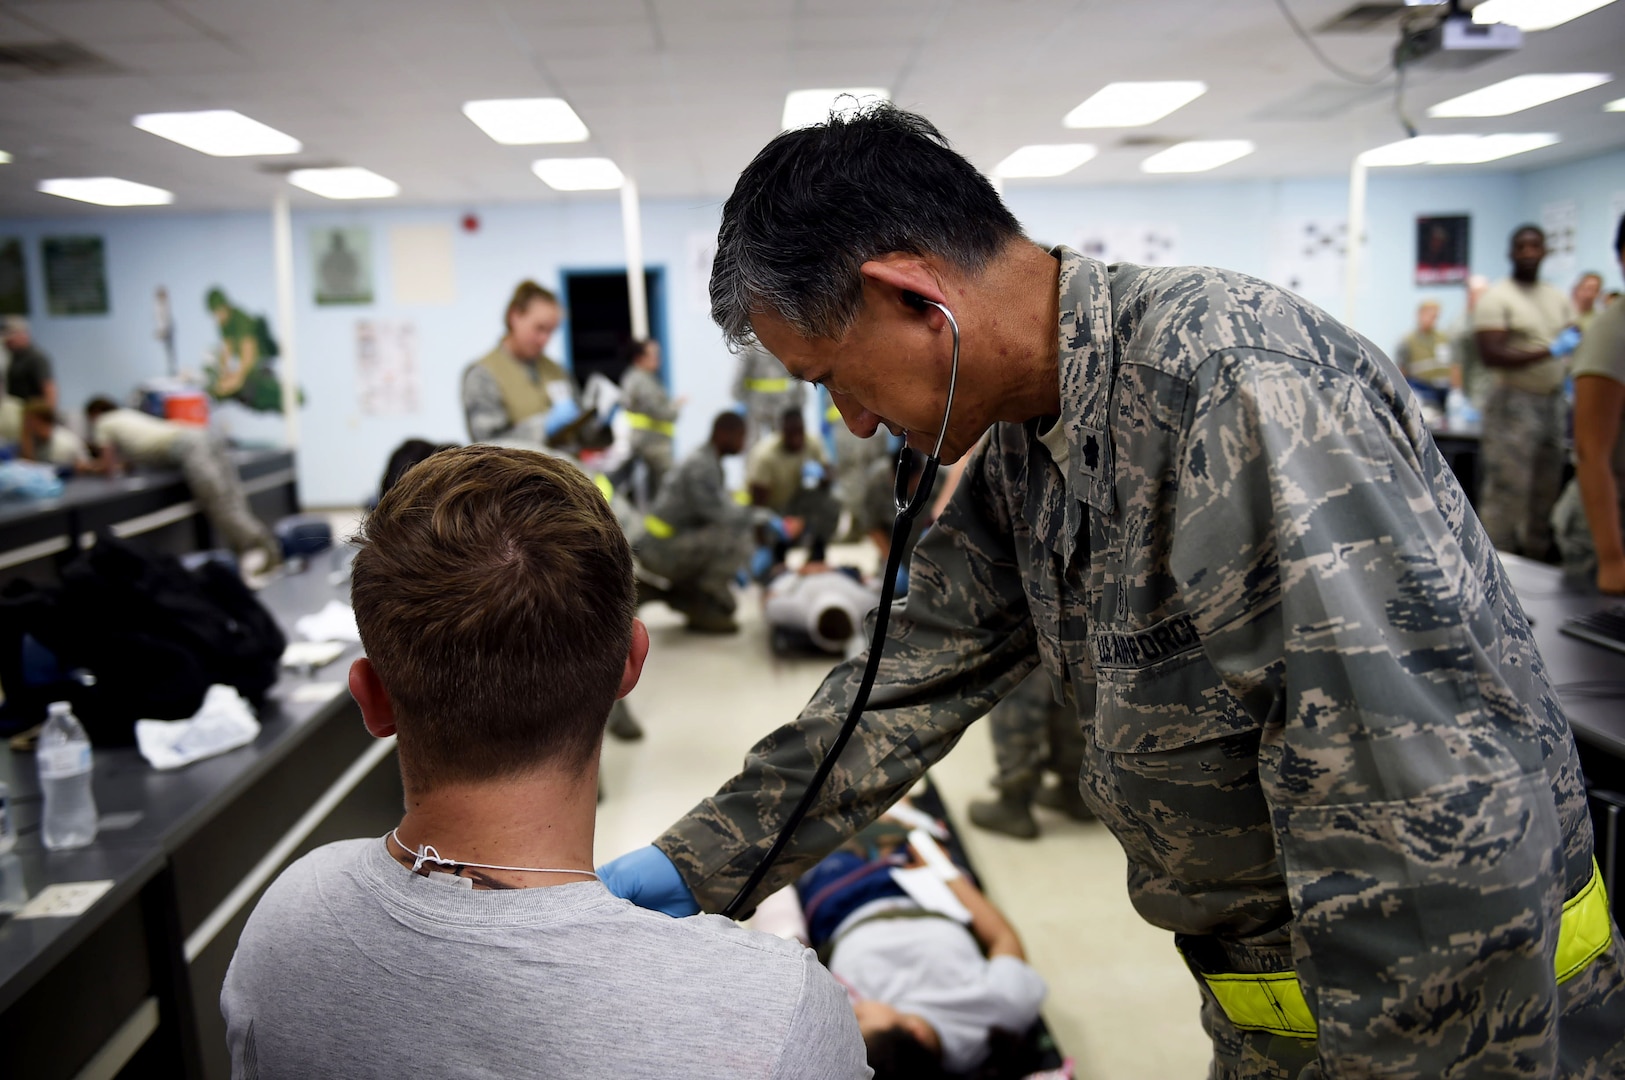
[85, 490]
[159, 810]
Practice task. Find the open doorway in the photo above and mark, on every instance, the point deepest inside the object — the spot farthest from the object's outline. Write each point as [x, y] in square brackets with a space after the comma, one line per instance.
[600, 321]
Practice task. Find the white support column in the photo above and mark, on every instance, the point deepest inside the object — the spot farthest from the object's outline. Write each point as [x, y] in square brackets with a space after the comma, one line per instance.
[1356, 241]
[632, 233]
[288, 362]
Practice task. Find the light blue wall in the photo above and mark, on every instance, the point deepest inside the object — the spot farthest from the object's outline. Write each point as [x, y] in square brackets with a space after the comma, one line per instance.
[1218, 223]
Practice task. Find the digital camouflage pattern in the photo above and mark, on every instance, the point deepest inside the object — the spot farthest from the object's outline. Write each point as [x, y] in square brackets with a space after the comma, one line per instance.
[1522, 455]
[1032, 732]
[1323, 734]
[765, 389]
[711, 534]
[643, 393]
[205, 461]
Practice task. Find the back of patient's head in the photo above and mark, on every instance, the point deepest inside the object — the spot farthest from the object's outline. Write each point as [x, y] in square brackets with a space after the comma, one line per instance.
[493, 590]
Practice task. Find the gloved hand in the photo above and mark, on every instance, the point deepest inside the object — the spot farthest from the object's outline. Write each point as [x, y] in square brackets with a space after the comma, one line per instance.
[648, 879]
[1565, 343]
[561, 415]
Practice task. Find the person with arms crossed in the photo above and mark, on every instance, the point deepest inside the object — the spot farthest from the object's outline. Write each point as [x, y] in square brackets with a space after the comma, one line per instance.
[493, 590]
[1322, 734]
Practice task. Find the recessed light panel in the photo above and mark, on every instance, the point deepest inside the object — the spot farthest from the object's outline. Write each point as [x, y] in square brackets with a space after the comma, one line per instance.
[579, 174]
[527, 121]
[1044, 160]
[1534, 14]
[219, 132]
[1517, 94]
[1617, 105]
[5, 158]
[1455, 149]
[1199, 156]
[107, 191]
[346, 182]
[1132, 104]
[803, 108]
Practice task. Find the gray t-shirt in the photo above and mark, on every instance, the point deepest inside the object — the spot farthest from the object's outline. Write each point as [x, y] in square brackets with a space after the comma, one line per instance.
[353, 966]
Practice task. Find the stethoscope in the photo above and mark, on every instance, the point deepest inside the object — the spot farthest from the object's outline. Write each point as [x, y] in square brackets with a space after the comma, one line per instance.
[908, 509]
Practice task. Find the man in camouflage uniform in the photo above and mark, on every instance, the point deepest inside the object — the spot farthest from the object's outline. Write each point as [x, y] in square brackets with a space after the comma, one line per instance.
[696, 536]
[1323, 735]
[765, 389]
[651, 412]
[1034, 734]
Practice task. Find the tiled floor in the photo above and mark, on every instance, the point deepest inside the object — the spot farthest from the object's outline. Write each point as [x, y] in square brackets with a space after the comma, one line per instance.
[1121, 1002]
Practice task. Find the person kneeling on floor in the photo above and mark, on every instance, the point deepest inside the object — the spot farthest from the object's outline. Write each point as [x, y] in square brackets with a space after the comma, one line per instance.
[493, 590]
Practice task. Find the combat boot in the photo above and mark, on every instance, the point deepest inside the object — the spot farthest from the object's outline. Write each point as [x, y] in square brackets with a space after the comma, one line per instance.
[1064, 797]
[622, 724]
[710, 620]
[1008, 814]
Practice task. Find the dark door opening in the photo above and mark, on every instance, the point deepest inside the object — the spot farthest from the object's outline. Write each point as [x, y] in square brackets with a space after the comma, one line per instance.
[600, 320]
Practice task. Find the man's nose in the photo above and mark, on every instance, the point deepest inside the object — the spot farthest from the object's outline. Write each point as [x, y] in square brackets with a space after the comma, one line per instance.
[860, 421]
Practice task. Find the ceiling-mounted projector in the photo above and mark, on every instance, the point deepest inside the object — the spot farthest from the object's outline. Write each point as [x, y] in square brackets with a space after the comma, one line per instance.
[1455, 41]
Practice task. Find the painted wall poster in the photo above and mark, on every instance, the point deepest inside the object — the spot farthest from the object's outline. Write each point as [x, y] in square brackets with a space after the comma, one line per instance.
[342, 264]
[1307, 255]
[386, 357]
[13, 277]
[243, 369]
[75, 275]
[1142, 243]
[1442, 255]
[1561, 221]
[422, 264]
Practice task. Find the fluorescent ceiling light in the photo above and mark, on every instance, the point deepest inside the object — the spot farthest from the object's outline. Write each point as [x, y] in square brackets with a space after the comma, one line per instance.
[1454, 149]
[527, 121]
[579, 174]
[1534, 14]
[1517, 94]
[108, 191]
[1617, 105]
[5, 158]
[1044, 160]
[1197, 156]
[346, 182]
[1130, 104]
[220, 132]
[803, 108]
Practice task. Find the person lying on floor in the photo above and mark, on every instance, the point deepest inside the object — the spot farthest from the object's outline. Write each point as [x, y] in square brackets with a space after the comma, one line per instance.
[928, 989]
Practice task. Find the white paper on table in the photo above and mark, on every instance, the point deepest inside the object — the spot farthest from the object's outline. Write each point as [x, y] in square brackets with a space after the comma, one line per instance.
[314, 693]
[64, 900]
[224, 723]
[335, 622]
[311, 654]
[929, 891]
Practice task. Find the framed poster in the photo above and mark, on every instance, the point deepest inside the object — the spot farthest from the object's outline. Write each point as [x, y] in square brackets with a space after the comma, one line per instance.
[343, 265]
[1441, 249]
[75, 275]
[13, 278]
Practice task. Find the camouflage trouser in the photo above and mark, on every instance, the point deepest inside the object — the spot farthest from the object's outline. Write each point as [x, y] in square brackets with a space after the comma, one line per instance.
[1033, 732]
[1521, 453]
[1572, 533]
[655, 452]
[819, 510]
[210, 473]
[699, 563]
[853, 456]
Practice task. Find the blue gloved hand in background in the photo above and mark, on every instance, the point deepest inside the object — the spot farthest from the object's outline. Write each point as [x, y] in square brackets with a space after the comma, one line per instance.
[1565, 343]
[562, 414]
[648, 879]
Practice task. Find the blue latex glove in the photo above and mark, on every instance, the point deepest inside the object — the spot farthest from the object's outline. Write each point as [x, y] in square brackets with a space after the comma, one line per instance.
[1566, 342]
[761, 561]
[648, 879]
[776, 523]
[561, 415]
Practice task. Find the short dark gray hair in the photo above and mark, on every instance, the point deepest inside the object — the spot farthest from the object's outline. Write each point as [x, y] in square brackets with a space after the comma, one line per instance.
[819, 202]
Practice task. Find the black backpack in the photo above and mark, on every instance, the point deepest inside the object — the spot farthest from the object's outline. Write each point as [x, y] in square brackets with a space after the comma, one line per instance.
[153, 634]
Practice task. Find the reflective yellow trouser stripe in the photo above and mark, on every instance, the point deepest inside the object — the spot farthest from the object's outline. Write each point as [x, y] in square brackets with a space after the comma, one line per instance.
[767, 386]
[657, 528]
[645, 422]
[605, 488]
[1275, 1003]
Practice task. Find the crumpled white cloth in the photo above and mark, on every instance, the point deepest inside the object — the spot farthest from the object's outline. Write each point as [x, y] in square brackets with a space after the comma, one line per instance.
[335, 622]
[224, 723]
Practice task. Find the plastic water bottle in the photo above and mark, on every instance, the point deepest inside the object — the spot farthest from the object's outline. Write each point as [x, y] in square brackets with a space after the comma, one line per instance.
[64, 779]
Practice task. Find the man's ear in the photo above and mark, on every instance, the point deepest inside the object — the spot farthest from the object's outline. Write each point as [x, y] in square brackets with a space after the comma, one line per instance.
[908, 280]
[634, 658]
[376, 710]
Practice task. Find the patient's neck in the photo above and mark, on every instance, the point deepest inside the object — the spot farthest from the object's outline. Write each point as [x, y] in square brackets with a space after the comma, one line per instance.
[543, 818]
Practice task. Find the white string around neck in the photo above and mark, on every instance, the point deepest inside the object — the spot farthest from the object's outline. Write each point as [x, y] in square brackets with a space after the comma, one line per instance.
[426, 853]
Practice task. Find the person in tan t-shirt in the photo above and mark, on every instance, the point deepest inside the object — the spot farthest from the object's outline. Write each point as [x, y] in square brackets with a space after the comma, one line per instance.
[1523, 329]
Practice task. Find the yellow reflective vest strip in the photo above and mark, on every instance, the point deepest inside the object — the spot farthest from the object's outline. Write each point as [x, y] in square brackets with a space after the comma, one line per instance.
[605, 488]
[767, 386]
[645, 422]
[742, 497]
[832, 414]
[1275, 1002]
[657, 528]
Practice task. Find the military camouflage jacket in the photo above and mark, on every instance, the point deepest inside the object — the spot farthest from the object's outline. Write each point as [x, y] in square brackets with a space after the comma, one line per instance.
[1323, 735]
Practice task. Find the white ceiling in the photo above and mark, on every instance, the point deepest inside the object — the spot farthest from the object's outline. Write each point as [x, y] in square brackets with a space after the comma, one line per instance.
[681, 93]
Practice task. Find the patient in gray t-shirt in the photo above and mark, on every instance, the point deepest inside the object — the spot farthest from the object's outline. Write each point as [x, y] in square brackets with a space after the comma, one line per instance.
[494, 594]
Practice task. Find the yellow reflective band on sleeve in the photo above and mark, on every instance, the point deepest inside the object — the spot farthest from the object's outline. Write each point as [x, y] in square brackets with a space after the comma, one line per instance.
[645, 422]
[1272, 1003]
[742, 497]
[1275, 1002]
[767, 386]
[657, 528]
[605, 488]
[1585, 932]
